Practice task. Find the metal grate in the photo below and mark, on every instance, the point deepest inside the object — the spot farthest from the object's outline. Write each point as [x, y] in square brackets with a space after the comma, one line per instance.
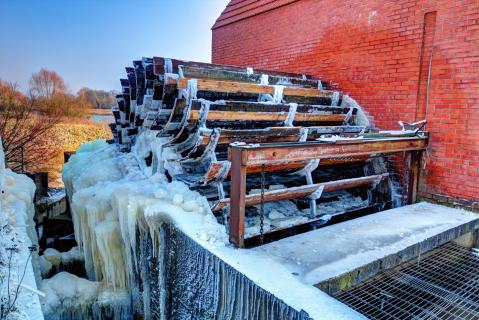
[442, 284]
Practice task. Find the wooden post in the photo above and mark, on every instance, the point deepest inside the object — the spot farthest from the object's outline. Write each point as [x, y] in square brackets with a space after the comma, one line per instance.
[238, 193]
[41, 184]
[414, 176]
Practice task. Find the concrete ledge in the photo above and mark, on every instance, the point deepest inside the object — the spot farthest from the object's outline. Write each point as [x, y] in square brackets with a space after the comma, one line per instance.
[342, 255]
[362, 273]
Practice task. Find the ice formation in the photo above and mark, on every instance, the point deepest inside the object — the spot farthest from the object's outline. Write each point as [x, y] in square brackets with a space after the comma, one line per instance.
[67, 296]
[119, 207]
[362, 117]
[53, 256]
[52, 261]
[17, 236]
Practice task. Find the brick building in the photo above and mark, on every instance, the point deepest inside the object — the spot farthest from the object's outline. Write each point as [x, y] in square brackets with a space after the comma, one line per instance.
[401, 60]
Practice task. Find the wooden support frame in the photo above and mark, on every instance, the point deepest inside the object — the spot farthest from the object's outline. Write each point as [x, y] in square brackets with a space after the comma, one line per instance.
[244, 156]
[238, 196]
[414, 175]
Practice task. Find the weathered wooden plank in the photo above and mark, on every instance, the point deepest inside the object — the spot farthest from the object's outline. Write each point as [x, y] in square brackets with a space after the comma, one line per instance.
[266, 116]
[277, 134]
[286, 152]
[251, 88]
[237, 194]
[231, 105]
[414, 175]
[196, 72]
[226, 139]
[303, 191]
[291, 165]
[159, 68]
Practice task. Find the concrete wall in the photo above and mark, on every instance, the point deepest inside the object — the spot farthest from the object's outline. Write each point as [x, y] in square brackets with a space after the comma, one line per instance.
[183, 280]
[378, 51]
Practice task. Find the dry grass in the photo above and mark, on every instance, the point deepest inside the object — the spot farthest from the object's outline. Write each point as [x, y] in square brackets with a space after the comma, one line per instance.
[67, 135]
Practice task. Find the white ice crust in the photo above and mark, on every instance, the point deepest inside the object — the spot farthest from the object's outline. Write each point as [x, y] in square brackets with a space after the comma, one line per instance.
[17, 230]
[113, 195]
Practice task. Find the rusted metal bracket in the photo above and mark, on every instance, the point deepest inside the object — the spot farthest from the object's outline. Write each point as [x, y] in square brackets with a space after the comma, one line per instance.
[243, 156]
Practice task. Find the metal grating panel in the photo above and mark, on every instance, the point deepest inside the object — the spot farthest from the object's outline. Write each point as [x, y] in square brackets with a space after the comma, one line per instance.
[442, 284]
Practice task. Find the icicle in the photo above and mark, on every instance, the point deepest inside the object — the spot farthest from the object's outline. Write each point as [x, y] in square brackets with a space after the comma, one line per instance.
[335, 99]
[110, 247]
[180, 72]
[320, 85]
[288, 122]
[115, 305]
[168, 66]
[264, 80]
[303, 132]
[192, 89]
[278, 94]
[205, 109]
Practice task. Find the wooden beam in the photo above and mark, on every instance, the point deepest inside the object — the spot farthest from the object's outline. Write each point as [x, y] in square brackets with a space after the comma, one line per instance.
[276, 134]
[303, 191]
[215, 168]
[300, 164]
[237, 194]
[252, 88]
[286, 152]
[159, 63]
[266, 116]
[414, 174]
[241, 75]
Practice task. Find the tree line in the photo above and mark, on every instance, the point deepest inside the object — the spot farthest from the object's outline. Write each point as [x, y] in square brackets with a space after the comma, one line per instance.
[27, 118]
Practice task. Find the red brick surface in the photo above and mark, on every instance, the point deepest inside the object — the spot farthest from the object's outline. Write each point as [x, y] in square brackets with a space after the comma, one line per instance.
[379, 52]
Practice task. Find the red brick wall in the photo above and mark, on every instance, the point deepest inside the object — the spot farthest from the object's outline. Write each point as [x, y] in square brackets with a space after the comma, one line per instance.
[379, 51]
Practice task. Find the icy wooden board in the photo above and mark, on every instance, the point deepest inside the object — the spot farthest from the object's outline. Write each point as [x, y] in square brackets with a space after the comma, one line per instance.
[329, 252]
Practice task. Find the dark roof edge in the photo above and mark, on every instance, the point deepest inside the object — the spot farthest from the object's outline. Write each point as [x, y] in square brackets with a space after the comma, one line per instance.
[257, 11]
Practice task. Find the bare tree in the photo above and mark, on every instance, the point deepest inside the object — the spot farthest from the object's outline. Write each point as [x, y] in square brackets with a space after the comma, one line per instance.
[46, 83]
[23, 129]
[97, 99]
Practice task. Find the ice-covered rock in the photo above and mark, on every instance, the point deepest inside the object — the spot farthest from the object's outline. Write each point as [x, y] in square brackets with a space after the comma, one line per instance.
[67, 296]
[18, 243]
[53, 256]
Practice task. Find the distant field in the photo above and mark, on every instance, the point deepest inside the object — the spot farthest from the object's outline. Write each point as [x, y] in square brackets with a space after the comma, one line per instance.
[67, 136]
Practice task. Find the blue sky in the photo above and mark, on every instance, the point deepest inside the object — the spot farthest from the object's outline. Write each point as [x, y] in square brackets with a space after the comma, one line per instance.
[89, 42]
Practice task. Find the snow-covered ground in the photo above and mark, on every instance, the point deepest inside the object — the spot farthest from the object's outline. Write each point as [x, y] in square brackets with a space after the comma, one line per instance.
[17, 254]
[113, 196]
